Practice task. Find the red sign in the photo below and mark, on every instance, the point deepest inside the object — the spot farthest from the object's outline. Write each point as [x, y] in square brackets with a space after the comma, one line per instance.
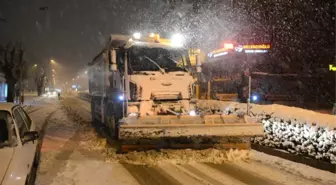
[228, 46]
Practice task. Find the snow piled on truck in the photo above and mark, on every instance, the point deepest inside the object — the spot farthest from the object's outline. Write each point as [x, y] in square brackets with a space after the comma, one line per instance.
[296, 130]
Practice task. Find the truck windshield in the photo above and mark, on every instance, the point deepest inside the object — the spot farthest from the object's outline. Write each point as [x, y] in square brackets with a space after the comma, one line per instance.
[152, 59]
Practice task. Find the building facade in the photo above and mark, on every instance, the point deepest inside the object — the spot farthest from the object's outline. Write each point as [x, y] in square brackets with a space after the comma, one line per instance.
[3, 87]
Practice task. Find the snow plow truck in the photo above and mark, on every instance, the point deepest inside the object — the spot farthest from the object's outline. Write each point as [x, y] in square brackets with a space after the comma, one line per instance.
[142, 88]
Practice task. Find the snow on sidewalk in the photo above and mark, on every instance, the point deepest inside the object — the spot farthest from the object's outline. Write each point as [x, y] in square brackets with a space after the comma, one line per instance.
[298, 173]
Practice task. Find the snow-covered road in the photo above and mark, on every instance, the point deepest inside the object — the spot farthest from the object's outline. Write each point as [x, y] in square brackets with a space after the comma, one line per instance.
[72, 153]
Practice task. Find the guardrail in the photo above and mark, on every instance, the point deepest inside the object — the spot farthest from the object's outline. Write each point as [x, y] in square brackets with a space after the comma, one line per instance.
[84, 96]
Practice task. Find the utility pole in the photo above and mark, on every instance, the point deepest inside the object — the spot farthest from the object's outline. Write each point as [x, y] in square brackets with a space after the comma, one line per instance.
[21, 85]
[249, 95]
[21, 96]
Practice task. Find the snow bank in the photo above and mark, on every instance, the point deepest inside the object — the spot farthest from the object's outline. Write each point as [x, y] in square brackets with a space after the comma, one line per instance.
[274, 110]
[296, 130]
[314, 141]
[185, 156]
[297, 169]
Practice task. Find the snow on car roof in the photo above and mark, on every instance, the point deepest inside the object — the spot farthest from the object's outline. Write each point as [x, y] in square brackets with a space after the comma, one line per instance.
[7, 106]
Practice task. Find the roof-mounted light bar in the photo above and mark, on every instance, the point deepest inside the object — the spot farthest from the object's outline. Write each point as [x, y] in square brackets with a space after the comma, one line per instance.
[177, 40]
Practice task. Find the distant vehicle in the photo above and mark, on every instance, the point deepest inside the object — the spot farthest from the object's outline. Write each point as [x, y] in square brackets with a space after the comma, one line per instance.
[51, 94]
[18, 145]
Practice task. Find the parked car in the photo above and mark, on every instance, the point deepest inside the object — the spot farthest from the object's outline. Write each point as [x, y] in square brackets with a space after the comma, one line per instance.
[18, 146]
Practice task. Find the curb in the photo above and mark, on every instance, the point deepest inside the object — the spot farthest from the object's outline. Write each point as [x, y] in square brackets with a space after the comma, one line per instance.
[322, 165]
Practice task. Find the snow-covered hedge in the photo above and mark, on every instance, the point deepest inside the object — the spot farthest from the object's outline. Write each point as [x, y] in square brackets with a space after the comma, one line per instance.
[313, 141]
[296, 130]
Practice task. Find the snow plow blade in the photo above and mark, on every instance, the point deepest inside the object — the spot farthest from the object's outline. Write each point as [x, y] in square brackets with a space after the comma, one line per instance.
[184, 126]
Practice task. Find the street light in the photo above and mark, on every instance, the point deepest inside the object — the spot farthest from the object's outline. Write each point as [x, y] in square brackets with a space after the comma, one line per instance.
[52, 61]
[35, 65]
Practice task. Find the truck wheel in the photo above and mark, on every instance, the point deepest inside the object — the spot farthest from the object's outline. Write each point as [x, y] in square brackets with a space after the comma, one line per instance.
[113, 128]
[93, 110]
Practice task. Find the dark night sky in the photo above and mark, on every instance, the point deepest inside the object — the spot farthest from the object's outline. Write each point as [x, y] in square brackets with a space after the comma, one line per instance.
[71, 33]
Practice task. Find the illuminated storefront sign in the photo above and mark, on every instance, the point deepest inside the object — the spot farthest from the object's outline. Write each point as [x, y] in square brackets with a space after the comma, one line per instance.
[258, 46]
[332, 67]
[256, 51]
[250, 48]
[228, 46]
[218, 52]
[239, 48]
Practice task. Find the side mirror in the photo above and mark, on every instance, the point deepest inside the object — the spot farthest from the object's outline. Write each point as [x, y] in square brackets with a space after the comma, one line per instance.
[113, 58]
[30, 136]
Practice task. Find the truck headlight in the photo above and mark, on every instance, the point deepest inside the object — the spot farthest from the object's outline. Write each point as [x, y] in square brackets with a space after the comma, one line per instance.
[255, 98]
[137, 35]
[192, 113]
[177, 40]
[121, 97]
[133, 114]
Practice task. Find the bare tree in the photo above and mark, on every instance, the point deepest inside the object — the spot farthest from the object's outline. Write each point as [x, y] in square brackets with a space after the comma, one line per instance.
[39, 79]
[13, 65]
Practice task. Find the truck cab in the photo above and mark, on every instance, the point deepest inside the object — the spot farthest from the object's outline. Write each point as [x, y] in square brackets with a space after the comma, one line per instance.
[144, 88]
[140, 77]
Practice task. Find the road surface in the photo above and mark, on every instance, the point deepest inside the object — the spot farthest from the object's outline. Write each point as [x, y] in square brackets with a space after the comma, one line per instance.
[72, 153]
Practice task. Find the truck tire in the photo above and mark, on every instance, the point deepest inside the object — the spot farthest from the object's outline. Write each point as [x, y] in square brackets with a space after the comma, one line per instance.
[113, 128]
[93, 113]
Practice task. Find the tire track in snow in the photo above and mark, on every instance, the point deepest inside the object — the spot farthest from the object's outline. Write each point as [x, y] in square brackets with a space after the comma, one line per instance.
[181, 175]
[146, 175]
[216, 174]
[281, 176]
[39, 145]
[32, 111]
[242, 175]
[202, 174]
[43, 130]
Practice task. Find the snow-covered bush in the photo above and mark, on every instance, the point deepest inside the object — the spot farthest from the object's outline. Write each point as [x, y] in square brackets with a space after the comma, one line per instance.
[298, 138]
[295, 130]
